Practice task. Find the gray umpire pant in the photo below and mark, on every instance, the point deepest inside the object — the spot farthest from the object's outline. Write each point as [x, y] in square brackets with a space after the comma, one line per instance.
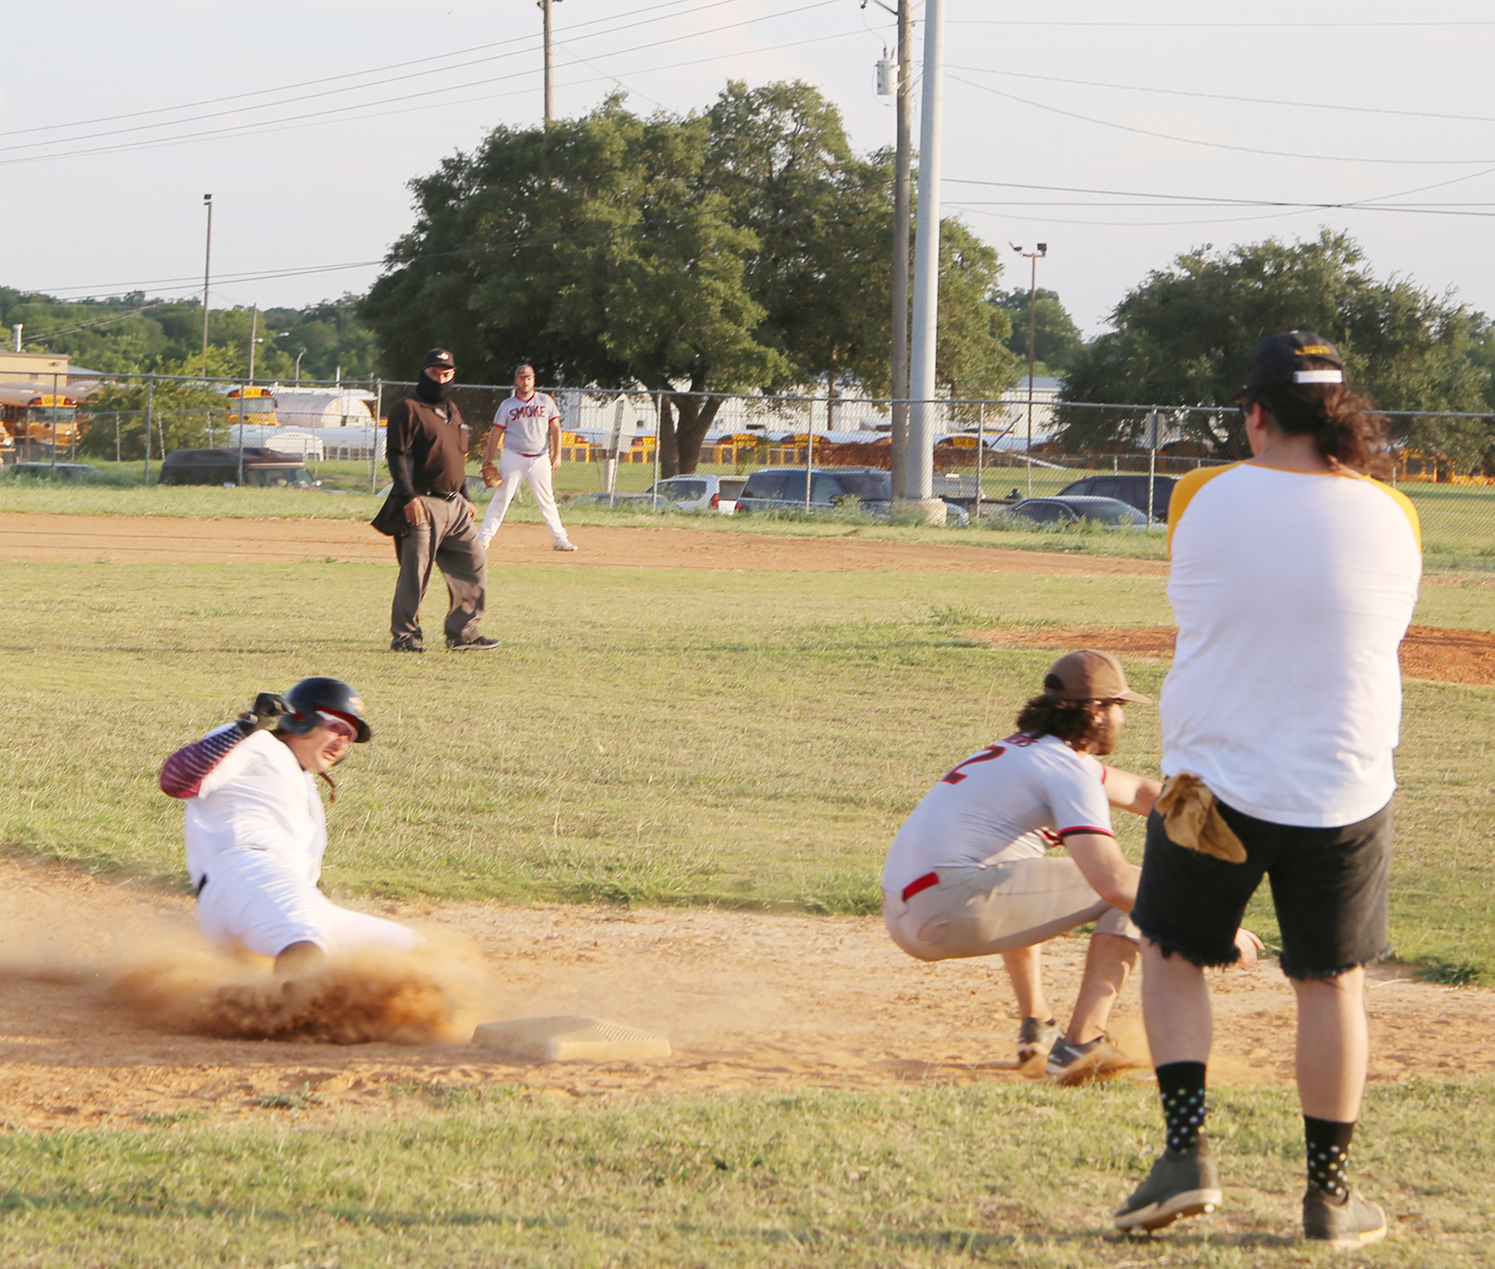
[448, 540]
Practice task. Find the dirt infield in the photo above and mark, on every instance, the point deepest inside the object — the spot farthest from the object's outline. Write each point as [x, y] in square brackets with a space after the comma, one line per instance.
[146, 539]
[749, 1000]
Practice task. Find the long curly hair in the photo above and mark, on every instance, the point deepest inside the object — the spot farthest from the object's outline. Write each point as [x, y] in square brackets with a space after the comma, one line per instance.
[1344, 424]
[1074, 722]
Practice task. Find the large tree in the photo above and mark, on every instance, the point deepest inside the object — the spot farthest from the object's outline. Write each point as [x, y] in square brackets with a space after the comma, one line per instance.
[592, 248]
[741, 249]
[1184, 335]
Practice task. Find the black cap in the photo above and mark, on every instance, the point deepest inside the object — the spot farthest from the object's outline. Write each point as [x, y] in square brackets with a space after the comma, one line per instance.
[438, 357]
[1298, 357]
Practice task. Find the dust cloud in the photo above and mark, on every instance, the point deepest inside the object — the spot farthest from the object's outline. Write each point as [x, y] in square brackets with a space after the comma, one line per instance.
[430, 994]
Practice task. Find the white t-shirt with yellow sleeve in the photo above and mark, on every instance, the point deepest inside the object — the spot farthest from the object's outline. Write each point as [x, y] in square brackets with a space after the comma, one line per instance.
[1292, 591]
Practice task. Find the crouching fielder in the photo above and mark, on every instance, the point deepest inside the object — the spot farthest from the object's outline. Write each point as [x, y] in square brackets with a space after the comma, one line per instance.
[256, 831]
[969, 873]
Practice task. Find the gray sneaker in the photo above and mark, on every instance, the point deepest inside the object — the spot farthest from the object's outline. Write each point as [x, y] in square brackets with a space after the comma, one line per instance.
[1181, 1183]
[1355, 1222]
[563, 546]
[1076, 1063]
[1036, 1038]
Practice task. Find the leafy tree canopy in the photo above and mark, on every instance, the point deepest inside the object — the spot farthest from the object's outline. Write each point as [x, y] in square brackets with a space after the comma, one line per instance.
[1184, 336]
[132, 334]
[743, 248]
[1056, 338]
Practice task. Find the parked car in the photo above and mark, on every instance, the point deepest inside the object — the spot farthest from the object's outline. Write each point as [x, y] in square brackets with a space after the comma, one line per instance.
[56, 471]
[832, 489]
[699, 491]
[1130, 489]
[261, 467]
[1112, 513]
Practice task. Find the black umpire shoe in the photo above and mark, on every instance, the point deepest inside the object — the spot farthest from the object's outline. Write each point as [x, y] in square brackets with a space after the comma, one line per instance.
[478, 643]
[406, 645]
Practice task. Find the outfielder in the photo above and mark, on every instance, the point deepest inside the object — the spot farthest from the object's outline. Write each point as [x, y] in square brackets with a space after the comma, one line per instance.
[969, 872]
[256, 831]
[528, 427]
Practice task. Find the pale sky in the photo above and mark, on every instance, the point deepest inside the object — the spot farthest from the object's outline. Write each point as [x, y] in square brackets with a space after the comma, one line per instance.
[306, 120]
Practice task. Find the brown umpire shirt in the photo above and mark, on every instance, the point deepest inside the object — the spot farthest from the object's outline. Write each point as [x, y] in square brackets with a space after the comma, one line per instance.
[426, 446]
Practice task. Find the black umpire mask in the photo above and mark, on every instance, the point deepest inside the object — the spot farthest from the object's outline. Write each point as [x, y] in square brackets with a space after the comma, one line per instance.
[431, 392]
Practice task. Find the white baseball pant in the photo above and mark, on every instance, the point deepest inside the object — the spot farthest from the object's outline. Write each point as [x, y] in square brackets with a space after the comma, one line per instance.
[263, 903]
[535, 469]
[979, 911]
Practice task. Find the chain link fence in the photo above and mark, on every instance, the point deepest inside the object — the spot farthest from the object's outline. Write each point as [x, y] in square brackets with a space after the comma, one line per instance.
[986, 452]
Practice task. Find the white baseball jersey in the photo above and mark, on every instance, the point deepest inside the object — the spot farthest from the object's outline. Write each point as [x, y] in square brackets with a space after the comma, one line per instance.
[257, 799]
[526, 424]
[1013, 800]
[1292, 592]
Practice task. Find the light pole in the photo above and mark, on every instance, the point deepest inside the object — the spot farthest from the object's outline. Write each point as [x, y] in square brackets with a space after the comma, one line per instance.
[544, 7]
[299, 355]
[207, 263]
[1035, 256]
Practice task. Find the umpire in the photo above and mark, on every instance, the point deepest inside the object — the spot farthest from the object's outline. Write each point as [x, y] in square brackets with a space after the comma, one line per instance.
[428, 512]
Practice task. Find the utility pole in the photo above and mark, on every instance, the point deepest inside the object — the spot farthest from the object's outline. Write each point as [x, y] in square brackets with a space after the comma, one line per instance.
[544, 6]
[1035, 256]
[918, 479]
[903, 90]
[207, 267]
[254, 330]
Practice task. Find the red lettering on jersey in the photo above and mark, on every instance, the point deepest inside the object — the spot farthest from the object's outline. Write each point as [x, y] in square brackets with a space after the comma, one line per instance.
[1021, 740]
[955, 775]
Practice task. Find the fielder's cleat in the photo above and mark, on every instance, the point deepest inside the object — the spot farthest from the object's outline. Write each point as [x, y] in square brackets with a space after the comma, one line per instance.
[406, 645]
[1181, 1183]
[1036, 1038]
[1075, 1063]
[1346, 1223]
[564, 546]
[478, 643]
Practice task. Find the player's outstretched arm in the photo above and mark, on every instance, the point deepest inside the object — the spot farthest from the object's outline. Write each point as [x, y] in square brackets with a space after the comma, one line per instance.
[186, 769]
[1131, 792]
[1105, 868]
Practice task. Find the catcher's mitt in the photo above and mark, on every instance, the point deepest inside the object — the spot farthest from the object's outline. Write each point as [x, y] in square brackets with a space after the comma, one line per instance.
[491, 478]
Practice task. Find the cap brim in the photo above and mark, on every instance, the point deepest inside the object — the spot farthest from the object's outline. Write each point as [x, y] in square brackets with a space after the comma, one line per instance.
[1135, 697]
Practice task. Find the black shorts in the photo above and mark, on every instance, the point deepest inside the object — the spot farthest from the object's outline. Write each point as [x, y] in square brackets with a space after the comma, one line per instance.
[1330, 887]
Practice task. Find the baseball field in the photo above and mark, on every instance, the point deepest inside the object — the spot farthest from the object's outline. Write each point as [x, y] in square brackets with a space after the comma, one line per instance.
[663, 803]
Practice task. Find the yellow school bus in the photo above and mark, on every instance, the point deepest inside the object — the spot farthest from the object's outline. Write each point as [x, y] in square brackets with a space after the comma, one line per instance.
[34, 414]
[252, 405]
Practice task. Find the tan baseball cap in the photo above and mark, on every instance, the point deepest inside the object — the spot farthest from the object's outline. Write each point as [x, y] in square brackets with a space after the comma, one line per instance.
[1088, 675]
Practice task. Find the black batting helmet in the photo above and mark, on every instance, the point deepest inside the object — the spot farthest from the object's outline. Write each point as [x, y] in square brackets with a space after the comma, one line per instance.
[331, 696]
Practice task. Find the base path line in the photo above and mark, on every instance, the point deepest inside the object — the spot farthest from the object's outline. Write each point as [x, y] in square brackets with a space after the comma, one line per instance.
[167, 539]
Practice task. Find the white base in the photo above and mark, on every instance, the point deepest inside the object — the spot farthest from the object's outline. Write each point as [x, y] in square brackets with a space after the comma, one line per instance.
[569, 1040]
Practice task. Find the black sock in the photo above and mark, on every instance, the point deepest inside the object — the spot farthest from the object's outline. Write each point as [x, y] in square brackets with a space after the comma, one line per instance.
[1328, 1155]
[1181, 1085]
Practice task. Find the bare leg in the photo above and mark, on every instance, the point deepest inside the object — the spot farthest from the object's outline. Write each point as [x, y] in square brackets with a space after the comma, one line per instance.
[1176, 1008]
[1025, 969]
[1333, 1045]
[1108, 961]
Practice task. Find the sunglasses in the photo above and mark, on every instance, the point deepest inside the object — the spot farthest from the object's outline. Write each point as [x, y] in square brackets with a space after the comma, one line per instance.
[337, 725]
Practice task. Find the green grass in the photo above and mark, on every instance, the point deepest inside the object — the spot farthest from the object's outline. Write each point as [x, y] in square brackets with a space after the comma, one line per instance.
[672, 737]
[994, 1174]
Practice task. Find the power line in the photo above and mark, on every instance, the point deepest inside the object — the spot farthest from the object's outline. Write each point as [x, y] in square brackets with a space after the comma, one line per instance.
[375, 70]
[1315, 25]
[277, 125]
[1251, 101]
[1213, 145]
